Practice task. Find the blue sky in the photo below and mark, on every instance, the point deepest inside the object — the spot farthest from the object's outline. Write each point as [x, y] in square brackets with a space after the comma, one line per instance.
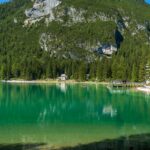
[147, 1]
[2, 1]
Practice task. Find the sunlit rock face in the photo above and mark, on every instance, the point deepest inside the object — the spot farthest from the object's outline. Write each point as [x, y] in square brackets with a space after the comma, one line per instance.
[40, 9]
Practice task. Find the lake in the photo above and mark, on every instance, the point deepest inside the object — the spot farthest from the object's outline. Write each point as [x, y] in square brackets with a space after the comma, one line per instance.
[70, 114]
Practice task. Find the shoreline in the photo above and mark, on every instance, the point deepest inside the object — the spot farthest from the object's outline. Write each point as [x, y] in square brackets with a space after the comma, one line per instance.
[145, 89]
[51, 81]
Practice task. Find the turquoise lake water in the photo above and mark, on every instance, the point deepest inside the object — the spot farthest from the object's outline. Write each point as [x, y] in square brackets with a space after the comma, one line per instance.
[70, 114]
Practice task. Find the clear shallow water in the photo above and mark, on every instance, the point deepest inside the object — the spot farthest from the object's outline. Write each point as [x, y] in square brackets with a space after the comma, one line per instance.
[65, 114]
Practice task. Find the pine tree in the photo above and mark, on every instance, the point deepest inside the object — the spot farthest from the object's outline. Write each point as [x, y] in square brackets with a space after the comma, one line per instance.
[134, 73]
[82, 72]
[114, 69]
[93, 71]
[99, 73]
[49, 72]
[142, 72]
[147, 73]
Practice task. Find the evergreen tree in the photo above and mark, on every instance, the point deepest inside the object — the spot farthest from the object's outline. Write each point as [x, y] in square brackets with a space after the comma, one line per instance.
[82, 72]
[93, 71]
[134, 73]
[142, 72]
[99, 73]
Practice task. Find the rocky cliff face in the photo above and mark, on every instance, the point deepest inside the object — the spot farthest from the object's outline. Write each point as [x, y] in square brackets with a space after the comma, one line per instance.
[70, 16]
[40, 9]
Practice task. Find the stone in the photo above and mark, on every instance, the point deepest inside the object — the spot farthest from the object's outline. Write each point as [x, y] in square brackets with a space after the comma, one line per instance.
[40, 9]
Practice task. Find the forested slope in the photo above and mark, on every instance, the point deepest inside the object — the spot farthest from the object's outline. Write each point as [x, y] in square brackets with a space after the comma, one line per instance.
[68, 43]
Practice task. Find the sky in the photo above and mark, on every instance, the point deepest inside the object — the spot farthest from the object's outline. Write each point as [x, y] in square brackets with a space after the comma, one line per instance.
[147, 1]
[3, 1]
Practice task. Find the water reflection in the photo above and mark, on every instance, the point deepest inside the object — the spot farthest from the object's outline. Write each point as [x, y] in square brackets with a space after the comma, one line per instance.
[109, 110]
[64, 114]
[62, 86]
[118, 90]
[70, 103]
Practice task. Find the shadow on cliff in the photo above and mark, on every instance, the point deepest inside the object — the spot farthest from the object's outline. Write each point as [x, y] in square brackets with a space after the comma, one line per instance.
[136, 142]
[118, 37]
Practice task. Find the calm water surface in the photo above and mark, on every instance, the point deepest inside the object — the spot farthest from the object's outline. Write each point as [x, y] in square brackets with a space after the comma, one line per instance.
[70, 114]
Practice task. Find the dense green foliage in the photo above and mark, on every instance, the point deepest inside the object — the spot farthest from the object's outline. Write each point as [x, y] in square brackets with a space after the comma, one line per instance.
[22, 57]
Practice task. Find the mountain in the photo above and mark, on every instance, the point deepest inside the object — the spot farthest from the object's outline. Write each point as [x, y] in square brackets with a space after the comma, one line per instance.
[45, 38]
